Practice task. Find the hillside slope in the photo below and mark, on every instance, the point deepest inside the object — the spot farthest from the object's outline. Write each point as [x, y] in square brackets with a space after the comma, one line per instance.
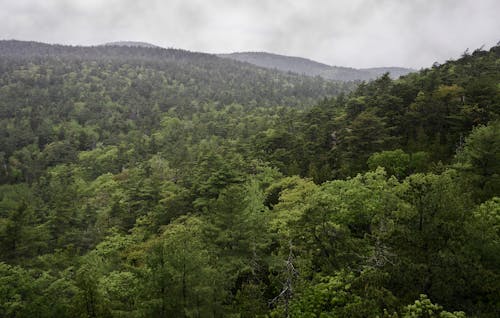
[120, 89]
[429, 111]
[281, 62]
[205, 76]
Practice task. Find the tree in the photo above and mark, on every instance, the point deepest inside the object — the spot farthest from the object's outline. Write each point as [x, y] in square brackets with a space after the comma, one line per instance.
[426, 239]
[424, 308]
[366, 134]
[180, 274]
[21, 233]
[480, 159]
[395, 162]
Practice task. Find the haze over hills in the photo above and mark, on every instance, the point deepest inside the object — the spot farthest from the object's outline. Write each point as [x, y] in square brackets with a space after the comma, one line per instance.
[296, 64]
[131, 44]
[283, 63]
[312, 68]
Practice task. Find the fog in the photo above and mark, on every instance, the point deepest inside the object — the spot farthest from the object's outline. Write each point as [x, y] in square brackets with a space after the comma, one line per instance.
[357, 33]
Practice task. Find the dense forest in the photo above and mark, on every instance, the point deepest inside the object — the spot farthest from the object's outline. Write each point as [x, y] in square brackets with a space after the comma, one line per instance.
[150, 182]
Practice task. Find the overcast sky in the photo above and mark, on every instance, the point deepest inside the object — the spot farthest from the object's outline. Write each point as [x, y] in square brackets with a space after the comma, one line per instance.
[357, 33]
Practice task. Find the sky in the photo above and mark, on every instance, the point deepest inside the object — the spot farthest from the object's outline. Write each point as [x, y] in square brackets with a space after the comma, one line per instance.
[355, 33]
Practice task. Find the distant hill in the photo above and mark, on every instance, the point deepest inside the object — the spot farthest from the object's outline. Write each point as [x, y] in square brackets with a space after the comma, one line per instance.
[131, 44]
[281, 62]
[195, 76]
[312, 68]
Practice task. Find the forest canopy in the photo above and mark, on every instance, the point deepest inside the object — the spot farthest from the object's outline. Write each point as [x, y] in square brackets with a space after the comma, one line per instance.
[150, 182]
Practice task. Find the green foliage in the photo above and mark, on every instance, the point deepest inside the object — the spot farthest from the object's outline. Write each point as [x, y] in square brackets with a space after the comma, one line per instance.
[481, 159]
[331, 296]
[181, 278]
[424, 308]
[144, 182]
[395, 162]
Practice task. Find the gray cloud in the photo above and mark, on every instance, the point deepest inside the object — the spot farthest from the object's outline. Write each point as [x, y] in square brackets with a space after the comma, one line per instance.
[359, 33]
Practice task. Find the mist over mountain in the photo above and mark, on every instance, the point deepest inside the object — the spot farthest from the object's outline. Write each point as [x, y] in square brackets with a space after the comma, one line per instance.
[144, 50]
[312, 68]
[295, 64]
[131, 44]
[281, 62]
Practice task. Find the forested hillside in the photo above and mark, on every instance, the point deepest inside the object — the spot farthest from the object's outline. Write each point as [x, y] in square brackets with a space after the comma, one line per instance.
[146, 182]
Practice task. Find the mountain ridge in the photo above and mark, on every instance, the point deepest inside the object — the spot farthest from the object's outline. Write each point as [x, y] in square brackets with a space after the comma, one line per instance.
[131, 44]
[203, 75]
[282, 63]
[310, 67]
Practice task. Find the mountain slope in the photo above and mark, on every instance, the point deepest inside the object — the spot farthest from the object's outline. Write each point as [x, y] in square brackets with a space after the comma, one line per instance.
[312, 68]
[281, 62]
[204, 76]
[117, 88]
[428, 112]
